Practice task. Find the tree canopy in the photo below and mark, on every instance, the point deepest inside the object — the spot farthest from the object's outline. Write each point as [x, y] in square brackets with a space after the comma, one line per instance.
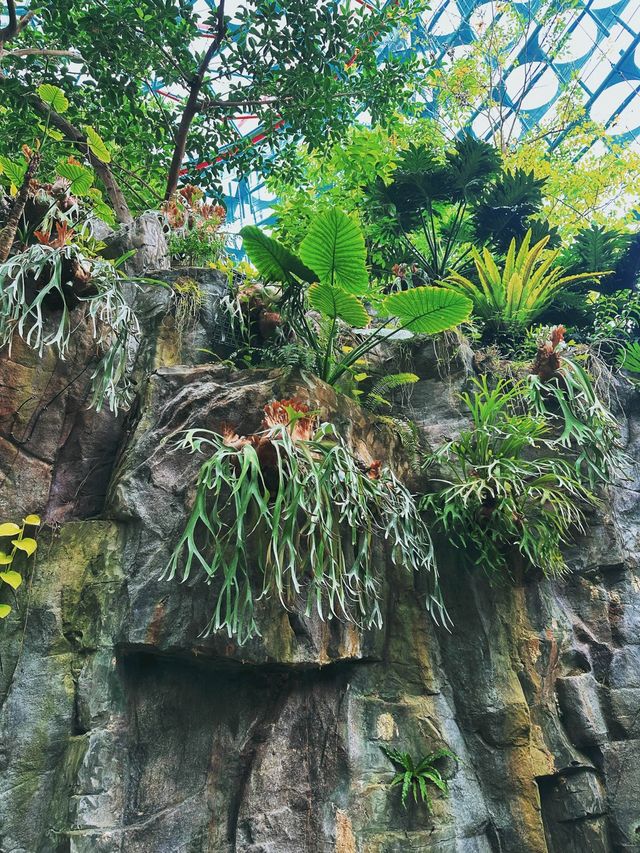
[161, 84]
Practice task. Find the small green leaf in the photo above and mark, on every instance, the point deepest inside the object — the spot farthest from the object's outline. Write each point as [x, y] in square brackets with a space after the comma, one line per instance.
[9, 529]
[96, 145]
[5, 610]
[33, 519]
[54, 97]
[5, 559]
[14, 579]
[27, 545]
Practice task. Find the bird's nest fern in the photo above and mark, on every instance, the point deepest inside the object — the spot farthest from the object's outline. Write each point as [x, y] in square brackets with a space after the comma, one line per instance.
[290, 512]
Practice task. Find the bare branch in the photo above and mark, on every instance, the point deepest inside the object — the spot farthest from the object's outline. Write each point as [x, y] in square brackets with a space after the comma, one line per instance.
[42, 51]
[191, 106]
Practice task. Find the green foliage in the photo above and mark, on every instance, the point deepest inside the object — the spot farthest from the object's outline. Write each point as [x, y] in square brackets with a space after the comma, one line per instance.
[506, 488]
[21, 545]
[33, 281]
[512, 298]
[291, 513]
[629, 357]
[290, 65]
[376, 398]
[416, 777]
[334, 252]
[196, 247]
[582, 424]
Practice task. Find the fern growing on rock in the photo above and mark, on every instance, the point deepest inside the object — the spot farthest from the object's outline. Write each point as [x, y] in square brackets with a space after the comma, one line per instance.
[290, 513]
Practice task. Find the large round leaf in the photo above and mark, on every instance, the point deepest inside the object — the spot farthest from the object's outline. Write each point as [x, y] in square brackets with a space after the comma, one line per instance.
[271, 259]
[334, 249]
[333, 303]
[428, 310]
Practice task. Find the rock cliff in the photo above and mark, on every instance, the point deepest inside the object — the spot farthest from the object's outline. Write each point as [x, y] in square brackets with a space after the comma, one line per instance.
[122, 729]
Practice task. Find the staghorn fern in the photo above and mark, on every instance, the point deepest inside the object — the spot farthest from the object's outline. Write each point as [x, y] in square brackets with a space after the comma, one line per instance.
[290, 512]
[25, 314]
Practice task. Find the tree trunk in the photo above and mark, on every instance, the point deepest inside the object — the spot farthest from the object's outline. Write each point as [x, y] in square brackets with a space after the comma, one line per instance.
[8, 233]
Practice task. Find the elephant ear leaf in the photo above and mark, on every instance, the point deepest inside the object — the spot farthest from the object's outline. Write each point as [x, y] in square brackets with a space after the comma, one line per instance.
[272, 260]
[428, 310]
[334, 303]
[334, 249]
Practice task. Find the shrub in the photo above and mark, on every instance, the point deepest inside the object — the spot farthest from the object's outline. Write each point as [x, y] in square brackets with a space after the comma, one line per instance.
[330, 277]
[510, 299]
[506, 489]
[291, 512]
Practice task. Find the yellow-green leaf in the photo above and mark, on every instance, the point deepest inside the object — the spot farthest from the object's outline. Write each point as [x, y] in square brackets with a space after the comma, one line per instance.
[51, 132]
[54, 97]
[9, 529]
[32, 519]
[14, 579]
[27, 545]
[5, 610]
[5, 559]
[96, 145]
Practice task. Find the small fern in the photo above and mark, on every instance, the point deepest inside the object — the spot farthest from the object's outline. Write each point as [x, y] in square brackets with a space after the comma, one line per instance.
[416, 777]
[377, 399]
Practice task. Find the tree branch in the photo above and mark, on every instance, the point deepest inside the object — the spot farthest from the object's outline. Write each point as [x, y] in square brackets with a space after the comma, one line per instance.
[191, 107]
[8, 32]
[42, 51]
[102, 170]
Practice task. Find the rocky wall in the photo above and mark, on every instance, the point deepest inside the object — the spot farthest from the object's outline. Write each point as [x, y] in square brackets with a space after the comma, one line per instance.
[123, 729]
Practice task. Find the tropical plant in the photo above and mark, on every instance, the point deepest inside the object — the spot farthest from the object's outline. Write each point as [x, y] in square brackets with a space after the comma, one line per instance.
[506, 490]
[330, 277]
[308, 67]
[194, 226]
[416, 776]
[21, 545]
[430, 197]
[629, 357]
[43, 282]
[511, 298]
[561, 390]
[289, 512]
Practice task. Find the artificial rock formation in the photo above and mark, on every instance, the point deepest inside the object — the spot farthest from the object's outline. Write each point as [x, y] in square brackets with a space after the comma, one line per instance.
[122, 729]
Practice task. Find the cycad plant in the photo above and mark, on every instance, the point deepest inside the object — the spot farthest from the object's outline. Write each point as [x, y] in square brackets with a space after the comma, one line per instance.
[444, 205]
[290, 513]
[330, 277]
[416, 777]
[511, 297]
[504, 487]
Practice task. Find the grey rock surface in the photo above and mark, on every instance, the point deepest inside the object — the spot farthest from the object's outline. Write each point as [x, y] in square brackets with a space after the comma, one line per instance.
[122, 729]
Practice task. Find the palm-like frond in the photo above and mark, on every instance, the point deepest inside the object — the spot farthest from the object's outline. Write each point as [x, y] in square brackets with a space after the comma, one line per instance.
[517, 294]
[415, 777]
